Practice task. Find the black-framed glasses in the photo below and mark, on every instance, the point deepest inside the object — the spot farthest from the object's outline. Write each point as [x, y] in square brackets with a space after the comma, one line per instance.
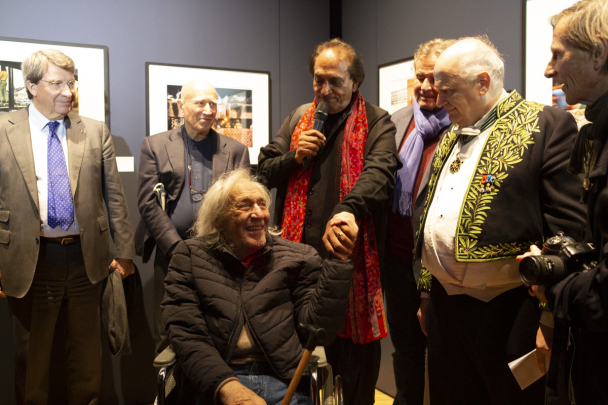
[59, 86]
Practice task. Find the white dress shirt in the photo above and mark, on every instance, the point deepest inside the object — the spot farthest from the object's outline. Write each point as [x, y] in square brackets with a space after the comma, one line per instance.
[482, 280]
[39, 131]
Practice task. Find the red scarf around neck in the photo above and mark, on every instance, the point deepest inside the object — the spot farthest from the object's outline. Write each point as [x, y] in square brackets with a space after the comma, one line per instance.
[365, 320]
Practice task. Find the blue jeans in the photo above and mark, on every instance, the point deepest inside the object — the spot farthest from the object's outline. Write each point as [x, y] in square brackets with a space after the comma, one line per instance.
[259, 378]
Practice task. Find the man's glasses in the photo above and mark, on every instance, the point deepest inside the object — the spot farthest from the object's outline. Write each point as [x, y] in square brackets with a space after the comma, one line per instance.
[58, 86]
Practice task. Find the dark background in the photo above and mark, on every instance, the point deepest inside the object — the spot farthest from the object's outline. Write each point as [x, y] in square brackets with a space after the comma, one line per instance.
[265, 35]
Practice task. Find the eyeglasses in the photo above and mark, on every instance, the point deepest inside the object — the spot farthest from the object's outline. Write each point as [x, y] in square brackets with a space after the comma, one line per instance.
[59, 86]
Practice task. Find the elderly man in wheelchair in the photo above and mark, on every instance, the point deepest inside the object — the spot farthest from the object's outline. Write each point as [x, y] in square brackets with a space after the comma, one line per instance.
[235, 294]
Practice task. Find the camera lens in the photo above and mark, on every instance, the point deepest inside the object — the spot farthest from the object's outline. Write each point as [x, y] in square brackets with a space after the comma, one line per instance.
[542, 270]
[532, 270]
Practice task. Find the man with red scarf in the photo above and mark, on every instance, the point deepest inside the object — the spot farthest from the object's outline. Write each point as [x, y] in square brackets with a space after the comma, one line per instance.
[326, 180]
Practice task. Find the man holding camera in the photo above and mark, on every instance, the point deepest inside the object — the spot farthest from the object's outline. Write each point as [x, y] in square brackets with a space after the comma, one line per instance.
[498, 185]
[580, 301]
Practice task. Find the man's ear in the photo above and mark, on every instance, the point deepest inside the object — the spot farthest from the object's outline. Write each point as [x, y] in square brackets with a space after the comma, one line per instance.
[600, 55]
[33, 88]
[484, 81]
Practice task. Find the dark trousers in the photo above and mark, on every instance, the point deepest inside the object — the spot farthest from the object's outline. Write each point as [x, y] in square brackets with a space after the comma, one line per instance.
[402, 303]
[161, 267]
[358, 365]
[471, 342]
[60, 285]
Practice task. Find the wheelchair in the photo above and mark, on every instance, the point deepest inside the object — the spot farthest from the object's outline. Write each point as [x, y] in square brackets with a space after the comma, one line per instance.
[324, 388]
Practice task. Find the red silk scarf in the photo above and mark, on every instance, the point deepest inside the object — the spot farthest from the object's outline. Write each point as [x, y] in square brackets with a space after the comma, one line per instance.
[365, 319]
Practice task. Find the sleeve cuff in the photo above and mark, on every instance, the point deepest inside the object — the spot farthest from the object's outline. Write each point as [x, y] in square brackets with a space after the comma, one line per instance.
[216, 396]
[424, 283]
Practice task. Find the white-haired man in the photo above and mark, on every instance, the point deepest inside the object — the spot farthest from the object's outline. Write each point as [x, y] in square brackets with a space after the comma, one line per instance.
[579, 303]
[58, 177]
[499, 184]
[186, 160]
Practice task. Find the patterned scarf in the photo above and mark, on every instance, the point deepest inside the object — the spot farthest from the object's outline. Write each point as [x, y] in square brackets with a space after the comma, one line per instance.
[365, 319]
[428, 125]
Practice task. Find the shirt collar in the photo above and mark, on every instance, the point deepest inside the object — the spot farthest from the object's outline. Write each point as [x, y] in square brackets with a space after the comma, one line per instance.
[39, 121]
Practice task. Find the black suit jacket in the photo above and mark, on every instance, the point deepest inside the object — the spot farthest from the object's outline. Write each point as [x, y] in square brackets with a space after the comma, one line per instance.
[162, 161]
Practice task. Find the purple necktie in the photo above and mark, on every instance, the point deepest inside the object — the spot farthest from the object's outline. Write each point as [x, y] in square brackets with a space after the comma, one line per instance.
[61, 207]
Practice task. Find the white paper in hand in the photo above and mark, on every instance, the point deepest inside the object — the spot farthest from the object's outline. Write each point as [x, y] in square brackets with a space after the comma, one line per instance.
[525, 369]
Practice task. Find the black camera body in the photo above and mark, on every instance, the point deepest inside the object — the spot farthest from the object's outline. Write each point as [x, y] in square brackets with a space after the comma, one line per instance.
[561, 256]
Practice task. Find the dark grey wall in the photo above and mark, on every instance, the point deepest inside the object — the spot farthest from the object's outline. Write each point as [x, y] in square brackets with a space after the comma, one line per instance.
[270, 35]
[389, 30]
[384, 31]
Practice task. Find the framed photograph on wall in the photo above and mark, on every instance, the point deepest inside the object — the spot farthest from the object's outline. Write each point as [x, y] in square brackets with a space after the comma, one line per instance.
[538, 35]
[396, 84]
[91, 62]
[243, 111]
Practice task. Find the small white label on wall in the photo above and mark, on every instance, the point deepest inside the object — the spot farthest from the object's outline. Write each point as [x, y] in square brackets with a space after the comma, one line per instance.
[125, 163]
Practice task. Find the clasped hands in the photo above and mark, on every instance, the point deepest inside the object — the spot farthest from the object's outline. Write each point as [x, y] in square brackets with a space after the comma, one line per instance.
[340, 235]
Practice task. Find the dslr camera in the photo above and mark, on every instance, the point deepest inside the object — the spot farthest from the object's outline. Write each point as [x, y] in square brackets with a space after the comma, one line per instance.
[560, 257]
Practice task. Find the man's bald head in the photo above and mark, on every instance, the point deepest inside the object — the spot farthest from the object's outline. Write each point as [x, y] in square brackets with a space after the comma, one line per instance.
[197, 86]
[472, 56]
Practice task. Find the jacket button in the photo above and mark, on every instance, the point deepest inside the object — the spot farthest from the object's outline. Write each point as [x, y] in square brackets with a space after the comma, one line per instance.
[309, 224]
[309, 212]
[37, 240]
[311, 191]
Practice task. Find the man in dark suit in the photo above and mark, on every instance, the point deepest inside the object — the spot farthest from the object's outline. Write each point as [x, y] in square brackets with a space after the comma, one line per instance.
[186, 160]
[56, 169]
[498, 185]
[419, 128]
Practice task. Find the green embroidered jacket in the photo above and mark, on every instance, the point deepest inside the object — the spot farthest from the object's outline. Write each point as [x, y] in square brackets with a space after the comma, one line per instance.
[533, 196]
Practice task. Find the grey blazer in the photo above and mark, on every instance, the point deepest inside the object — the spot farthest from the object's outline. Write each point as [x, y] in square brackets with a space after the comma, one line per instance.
[95, 184]
[162, 161]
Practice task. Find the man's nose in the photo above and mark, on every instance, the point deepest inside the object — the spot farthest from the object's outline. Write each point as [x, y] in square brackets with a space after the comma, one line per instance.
[66, 91]
[426, 85]
[326, 88]
[549, 71]
[257, 211]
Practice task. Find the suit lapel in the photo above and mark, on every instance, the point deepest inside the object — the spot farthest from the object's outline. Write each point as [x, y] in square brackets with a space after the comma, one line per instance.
[220, 157]
[20, 139]
[76, 134]
[175, 154]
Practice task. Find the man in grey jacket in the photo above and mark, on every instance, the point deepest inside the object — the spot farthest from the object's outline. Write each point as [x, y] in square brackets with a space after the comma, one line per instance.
[186, 160]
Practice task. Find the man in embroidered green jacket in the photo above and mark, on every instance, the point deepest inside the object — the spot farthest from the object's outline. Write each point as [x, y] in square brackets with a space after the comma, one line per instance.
[498, 185]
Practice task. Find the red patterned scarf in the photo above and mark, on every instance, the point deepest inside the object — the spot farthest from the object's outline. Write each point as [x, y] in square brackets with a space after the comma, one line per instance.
[365, 319]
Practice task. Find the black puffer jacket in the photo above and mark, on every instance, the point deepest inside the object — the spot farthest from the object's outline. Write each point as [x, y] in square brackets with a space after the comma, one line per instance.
[209, 298]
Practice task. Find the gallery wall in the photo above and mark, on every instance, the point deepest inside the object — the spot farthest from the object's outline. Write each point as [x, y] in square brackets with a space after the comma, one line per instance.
[384, 31]
[270, 35]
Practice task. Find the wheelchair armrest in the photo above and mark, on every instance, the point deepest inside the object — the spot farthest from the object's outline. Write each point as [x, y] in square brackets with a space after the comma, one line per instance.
[166, 358]
[318, 358]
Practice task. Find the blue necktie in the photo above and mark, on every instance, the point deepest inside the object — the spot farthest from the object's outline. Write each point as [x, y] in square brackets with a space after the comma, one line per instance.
[61, 207]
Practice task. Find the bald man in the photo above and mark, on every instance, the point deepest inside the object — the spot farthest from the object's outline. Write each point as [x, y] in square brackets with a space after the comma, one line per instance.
[499, 184]
[186, 160]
